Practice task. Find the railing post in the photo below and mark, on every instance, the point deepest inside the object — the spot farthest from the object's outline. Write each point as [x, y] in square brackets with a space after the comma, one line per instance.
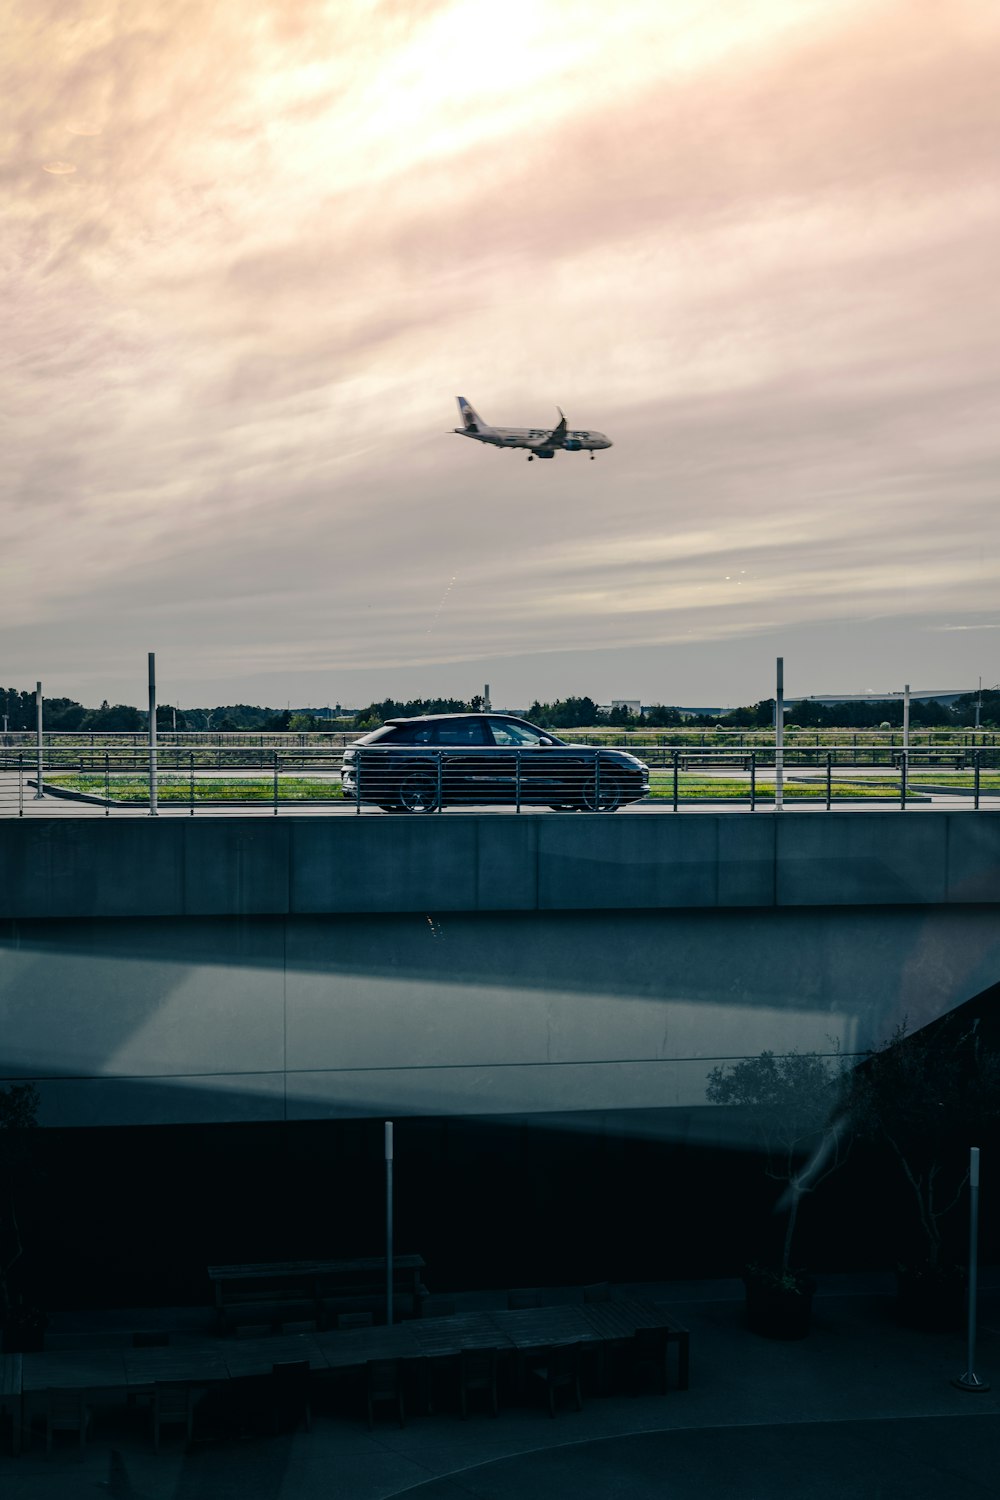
[107, 784]
[517, 780]
[191, 782]
[440, 797]
[20, 785]
[779, 737]
[359, 758]
[40, 771]
[753, 781]
[153, 810]
[976, 763]
[969, 1380]
[903, 757]
[676, 767]
[275, 783]
[390, 1264]
[829, 779]
[597, 780]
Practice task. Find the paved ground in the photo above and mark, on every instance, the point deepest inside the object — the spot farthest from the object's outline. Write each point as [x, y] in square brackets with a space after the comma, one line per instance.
[862, 1408]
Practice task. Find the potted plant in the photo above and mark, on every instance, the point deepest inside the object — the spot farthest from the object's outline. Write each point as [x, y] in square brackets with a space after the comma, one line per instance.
[778, 1302]
[18, 1117]
[927, 1096]
[794, 1104]
[24, 1328]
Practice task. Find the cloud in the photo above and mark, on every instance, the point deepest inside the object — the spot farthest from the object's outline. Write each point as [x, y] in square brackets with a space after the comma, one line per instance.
[755, 245]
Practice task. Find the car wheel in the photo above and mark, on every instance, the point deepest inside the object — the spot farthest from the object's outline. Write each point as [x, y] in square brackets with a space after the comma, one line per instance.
[418, 793]
[608, 799]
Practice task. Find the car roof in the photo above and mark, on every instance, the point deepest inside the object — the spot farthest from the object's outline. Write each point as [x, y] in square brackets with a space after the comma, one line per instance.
[435, 718]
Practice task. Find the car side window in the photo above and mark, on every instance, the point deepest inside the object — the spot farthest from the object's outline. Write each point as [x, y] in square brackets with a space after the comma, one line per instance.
[461, 732]
[515, 734]
[411, 734]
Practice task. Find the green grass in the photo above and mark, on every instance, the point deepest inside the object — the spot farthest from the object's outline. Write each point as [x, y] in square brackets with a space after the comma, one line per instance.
[989, 781]
[214, 789]
[699, 789]
[177, 789]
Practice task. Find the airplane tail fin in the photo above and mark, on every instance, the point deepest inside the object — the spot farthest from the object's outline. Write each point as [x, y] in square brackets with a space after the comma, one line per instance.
[471, 420]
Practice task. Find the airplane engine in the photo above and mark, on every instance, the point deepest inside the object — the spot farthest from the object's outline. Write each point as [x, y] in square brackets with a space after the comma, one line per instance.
[572, 445]
[545, 453]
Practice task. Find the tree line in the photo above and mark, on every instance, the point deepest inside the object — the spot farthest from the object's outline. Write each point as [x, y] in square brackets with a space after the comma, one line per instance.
[67, 716]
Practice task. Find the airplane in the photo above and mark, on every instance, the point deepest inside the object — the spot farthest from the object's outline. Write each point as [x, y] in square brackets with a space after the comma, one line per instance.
[542, 444]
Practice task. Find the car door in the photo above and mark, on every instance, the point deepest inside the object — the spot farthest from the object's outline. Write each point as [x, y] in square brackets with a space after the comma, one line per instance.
[468, 769]
[525, 757]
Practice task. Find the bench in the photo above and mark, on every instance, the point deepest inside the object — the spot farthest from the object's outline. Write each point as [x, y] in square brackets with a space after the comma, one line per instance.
[274, 1292]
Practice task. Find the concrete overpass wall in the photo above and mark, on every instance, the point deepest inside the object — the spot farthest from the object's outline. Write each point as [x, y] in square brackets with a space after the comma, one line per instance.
[329, 967]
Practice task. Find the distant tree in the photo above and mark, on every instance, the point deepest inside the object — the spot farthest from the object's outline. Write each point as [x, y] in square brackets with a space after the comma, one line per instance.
[277, 723]
[755, 716]
[304, 723]
[165, 717]
[795, 1104]
[928, 714]
[19, 708]
[660, 717]
[121, 718]
[377, 713]
[964, 709]
[565, 713]
[623, 718]
[806, 715]
[64, 714]
[927, 1095]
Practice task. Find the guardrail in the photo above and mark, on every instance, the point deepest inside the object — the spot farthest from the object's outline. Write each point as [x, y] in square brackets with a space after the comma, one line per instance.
[416, 779]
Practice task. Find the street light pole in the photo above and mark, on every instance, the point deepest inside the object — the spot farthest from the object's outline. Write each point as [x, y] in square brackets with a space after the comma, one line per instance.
[779, 738]
[39, 774]
[969, 1380]
[153, 809]
[389, 1266]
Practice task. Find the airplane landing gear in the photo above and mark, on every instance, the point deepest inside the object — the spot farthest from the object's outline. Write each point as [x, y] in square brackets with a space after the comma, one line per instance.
[591, 458]
[531, 458]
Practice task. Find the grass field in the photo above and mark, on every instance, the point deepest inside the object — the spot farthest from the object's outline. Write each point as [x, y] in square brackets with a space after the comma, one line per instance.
[703, 789]
[214, 789]
[691, 788]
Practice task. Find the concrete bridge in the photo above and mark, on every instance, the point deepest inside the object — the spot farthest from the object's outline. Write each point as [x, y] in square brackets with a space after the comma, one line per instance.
[239, 969]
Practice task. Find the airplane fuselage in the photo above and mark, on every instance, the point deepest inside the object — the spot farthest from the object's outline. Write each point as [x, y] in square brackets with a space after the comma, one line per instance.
[530, 437]
[541, 442]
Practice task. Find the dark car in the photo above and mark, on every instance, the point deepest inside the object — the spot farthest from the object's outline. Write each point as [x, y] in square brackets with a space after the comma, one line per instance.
[419, 765]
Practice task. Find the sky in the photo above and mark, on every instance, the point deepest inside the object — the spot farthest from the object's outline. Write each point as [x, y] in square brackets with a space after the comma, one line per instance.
[251, 255]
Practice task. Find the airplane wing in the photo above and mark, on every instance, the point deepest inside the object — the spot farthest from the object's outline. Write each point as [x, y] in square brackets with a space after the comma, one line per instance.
[553, 439]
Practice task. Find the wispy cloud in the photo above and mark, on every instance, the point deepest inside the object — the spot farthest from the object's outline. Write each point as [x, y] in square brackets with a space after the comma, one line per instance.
[755, 244]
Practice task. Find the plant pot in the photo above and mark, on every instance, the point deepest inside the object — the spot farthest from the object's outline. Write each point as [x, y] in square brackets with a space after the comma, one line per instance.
[934, 1298]
[21, 1339]
[777, 1312]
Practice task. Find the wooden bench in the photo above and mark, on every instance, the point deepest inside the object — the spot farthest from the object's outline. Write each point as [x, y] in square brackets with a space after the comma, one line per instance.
[316, 1288]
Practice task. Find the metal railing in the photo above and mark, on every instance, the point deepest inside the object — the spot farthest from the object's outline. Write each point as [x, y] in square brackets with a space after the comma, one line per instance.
[116, 782]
